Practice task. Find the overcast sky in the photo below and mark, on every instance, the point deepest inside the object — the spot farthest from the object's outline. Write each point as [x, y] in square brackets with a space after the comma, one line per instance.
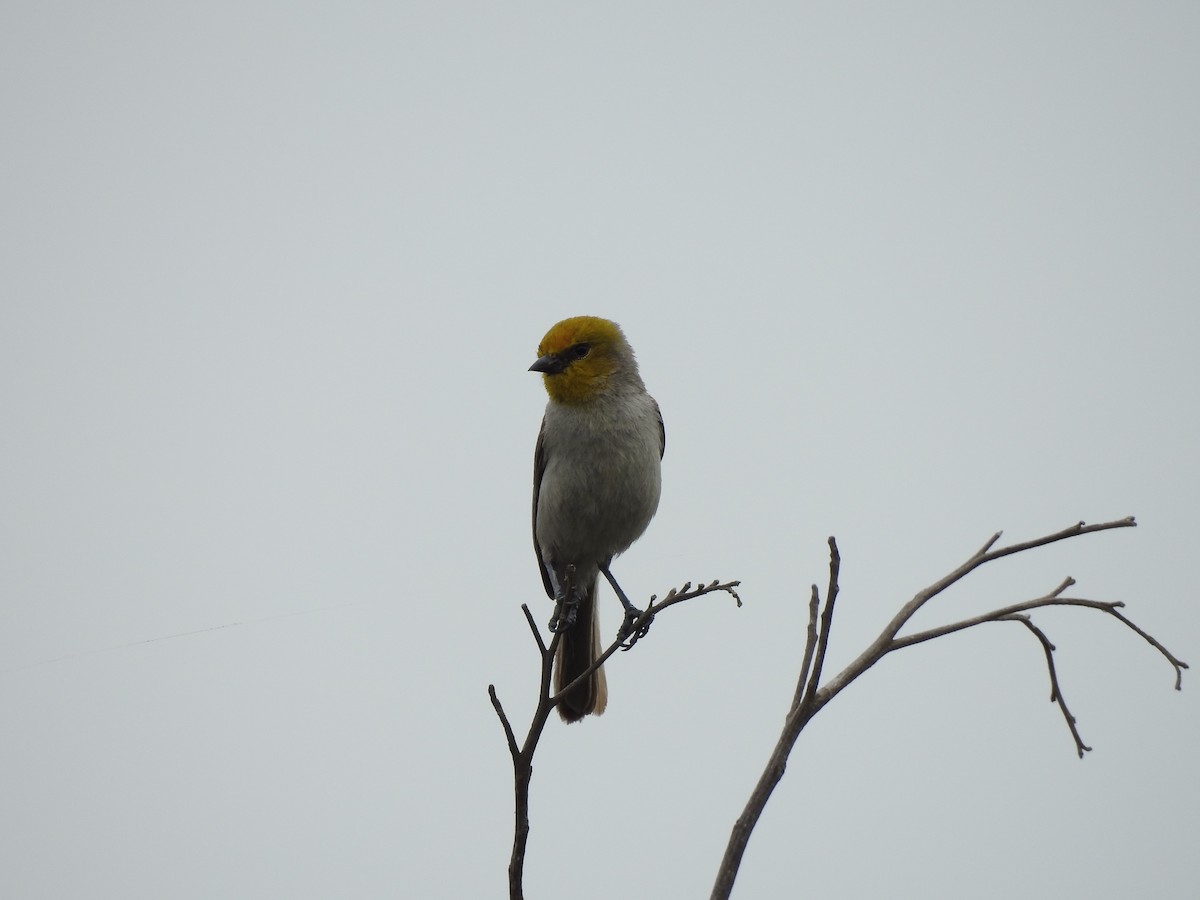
[271, 275]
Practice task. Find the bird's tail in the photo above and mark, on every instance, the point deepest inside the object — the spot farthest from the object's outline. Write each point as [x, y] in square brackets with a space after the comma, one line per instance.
[578, 648]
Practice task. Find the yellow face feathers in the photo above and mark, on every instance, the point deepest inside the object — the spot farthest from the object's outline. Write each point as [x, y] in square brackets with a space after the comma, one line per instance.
[576, 329]
[579, 356]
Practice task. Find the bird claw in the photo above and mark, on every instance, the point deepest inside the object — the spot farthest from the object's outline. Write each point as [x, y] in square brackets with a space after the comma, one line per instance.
[630, 632]
[566, 610]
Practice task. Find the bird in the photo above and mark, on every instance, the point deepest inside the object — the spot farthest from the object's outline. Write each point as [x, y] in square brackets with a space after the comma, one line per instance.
[597, 479]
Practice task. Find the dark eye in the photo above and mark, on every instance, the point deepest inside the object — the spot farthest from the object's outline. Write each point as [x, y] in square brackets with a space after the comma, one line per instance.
[579, 351]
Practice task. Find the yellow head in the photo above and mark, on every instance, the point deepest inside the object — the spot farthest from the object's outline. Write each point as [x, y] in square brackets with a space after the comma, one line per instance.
[583, 357]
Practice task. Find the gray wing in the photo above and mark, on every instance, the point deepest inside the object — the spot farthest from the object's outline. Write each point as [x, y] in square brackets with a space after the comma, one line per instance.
[662, 430]
[539, 468]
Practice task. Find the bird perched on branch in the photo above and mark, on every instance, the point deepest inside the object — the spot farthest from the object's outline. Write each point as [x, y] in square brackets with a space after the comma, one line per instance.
[596, 484]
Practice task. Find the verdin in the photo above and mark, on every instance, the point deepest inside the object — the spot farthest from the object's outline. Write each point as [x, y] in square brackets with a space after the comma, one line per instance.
[596, 483]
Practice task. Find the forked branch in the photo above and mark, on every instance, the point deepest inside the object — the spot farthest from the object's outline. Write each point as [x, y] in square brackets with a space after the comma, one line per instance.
[810, 696]
[522, 755]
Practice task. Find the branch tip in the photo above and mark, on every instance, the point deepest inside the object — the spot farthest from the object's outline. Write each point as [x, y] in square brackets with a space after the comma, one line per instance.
[1066, 583]
[1055, 691]
[988, 544]
[508, 732]
[537, 635]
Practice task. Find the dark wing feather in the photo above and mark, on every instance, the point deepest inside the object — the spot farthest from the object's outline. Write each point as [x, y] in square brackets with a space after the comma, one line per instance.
[539, 468]
[662, 430]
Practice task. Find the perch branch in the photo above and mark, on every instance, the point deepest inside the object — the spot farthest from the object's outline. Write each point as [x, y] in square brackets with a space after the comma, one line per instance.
[522, 756]
[653, 608]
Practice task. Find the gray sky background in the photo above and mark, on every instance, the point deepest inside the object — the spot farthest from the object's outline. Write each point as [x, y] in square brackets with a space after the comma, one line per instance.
[271, 276]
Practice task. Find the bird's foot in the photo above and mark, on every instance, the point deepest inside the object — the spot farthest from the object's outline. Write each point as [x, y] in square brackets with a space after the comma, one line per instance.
[631, 631]
[566, 610]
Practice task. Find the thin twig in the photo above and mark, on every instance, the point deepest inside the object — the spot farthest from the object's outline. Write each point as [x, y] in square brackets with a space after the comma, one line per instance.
[994, 615]
[835, 565]
[537, 634]
[1055, 691]
[652, 609]
[1051, 599]
[687, 592]
[508, 732]
[810, 645]
[1179, 664]
[985, 555]
[1070, 531]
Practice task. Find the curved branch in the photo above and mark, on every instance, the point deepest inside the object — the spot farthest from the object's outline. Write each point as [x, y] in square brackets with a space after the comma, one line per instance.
[1051, 599]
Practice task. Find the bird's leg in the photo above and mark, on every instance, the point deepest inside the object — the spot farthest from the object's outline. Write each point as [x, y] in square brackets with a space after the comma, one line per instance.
[566, 603]
[632, 613]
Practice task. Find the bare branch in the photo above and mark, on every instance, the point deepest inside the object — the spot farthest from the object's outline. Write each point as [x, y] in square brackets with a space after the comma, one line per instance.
[642, 624]
[810, 645]
[809, 699]
[1179, 664]
[508, 732]
[537, 634]
[996, 615]
[985, 555]
[805, 705]
[652, 609]
[1051, 599]
[1055, 691]
[522, 756]
[988, 545]
[835, 565]
[1069, 532]
[687, 592]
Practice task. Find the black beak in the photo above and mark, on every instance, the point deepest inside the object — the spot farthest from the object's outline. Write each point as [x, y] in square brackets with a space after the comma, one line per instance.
[548, 365]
